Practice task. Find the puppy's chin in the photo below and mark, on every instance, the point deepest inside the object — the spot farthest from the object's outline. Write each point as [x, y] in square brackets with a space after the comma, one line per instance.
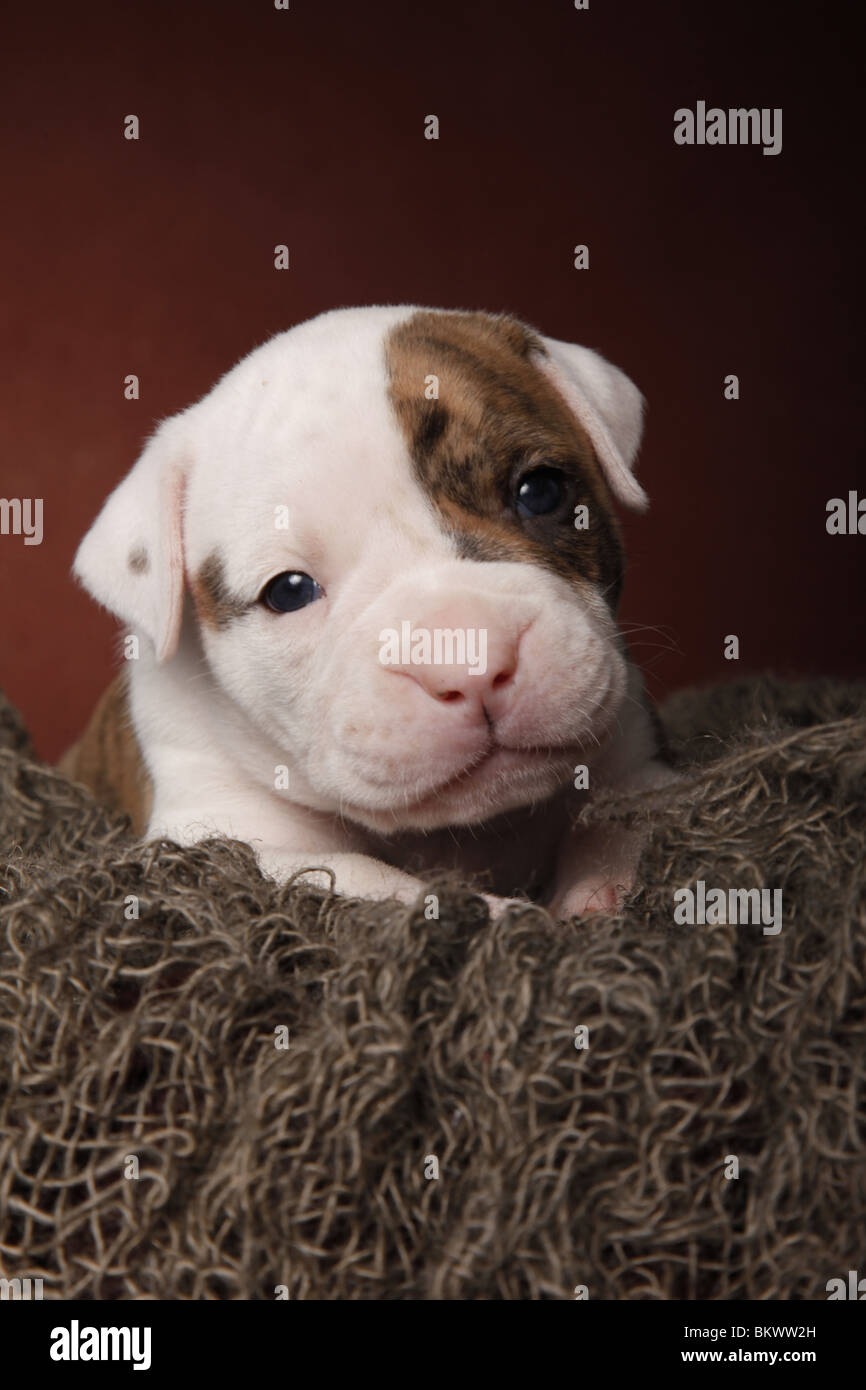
[505, 780]
[500, 777]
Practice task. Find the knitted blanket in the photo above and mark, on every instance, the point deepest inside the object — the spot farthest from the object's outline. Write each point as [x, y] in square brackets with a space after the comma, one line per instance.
[215, 1087]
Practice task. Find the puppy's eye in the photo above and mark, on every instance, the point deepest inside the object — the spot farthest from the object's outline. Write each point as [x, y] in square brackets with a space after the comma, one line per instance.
[541, 492]
[288, 592]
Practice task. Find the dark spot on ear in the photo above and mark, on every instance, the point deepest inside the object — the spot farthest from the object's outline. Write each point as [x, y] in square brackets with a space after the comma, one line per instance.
[138, 560]
[216, 604]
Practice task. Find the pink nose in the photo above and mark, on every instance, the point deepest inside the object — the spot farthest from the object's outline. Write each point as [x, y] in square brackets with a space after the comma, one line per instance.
[478, 683]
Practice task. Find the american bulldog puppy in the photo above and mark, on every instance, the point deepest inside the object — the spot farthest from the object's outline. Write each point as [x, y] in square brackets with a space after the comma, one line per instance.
[369, 585]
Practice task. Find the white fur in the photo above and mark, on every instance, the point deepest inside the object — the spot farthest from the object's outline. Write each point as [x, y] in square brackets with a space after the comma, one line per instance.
[381, 768]
[608, 405]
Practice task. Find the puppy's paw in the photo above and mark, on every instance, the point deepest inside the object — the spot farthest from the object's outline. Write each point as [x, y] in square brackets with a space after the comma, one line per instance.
[499, 906]
[594, 893]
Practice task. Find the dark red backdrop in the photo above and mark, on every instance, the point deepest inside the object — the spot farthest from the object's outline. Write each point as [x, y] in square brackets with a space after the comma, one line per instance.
[261, 126]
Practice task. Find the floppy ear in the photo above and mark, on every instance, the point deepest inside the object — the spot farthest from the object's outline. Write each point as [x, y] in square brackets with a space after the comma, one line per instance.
[131, 559]
[607, 404]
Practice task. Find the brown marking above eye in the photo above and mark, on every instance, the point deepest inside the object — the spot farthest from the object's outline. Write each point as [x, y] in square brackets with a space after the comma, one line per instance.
[138, 560]
[497, 415]
[217, 606]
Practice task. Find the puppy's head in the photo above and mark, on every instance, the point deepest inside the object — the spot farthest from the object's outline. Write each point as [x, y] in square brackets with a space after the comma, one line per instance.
[397, 529]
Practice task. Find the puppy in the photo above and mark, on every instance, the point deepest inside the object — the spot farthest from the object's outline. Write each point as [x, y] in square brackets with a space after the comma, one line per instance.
[372, 582]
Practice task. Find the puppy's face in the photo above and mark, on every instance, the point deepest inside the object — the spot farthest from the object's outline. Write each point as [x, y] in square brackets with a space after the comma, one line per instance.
[398, 534]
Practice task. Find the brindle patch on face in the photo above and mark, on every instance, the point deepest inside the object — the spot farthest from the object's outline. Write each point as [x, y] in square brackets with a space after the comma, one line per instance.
[496, 416]
[138, 560]
[215, 603]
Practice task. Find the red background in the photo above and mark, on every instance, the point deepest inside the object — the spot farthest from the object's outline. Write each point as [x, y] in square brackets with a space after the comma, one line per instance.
[306, 127]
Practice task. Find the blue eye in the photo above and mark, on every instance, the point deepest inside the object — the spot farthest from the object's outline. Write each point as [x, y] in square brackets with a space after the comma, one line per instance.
[288, 592]
[540, 492]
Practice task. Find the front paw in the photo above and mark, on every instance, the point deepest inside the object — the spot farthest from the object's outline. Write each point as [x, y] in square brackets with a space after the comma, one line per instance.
[594, 893]
[499, 906]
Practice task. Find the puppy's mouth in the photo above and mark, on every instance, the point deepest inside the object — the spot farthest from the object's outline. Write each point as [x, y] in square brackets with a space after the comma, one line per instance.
[499, 778]
[496, 757]
[495, 777]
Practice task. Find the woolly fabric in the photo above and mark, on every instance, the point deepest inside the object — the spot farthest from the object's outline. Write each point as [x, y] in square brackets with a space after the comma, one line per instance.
[155, 1039]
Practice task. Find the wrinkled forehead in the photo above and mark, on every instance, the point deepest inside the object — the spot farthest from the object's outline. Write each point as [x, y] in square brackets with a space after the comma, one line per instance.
[300, 445]
[389, 432]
